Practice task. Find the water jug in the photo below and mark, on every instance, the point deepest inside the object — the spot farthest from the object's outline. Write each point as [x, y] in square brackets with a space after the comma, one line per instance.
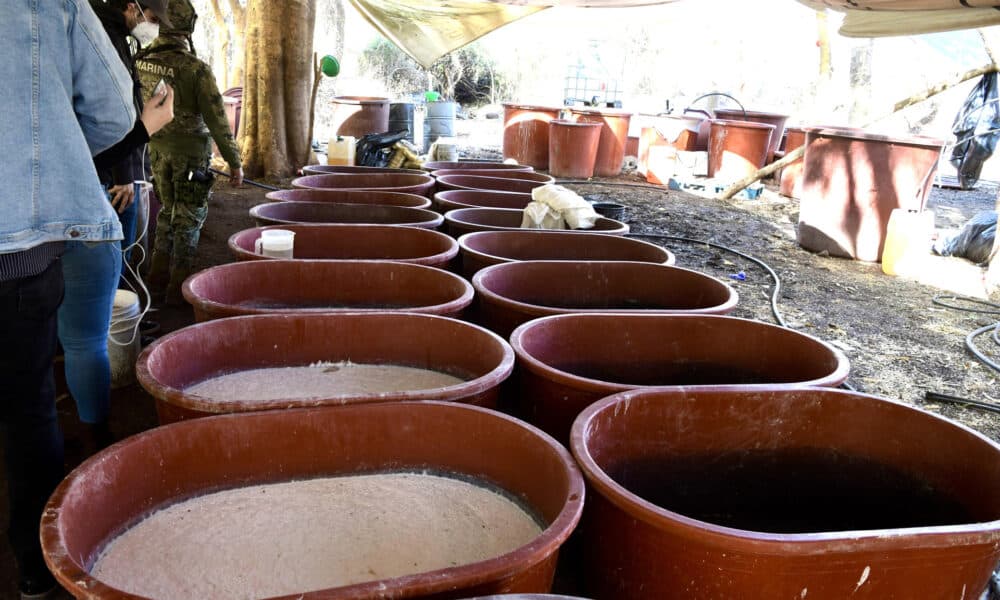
[907, 241]
[340, 150]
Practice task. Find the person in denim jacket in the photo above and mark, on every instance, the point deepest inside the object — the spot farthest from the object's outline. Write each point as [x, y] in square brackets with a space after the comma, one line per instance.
[66, 97]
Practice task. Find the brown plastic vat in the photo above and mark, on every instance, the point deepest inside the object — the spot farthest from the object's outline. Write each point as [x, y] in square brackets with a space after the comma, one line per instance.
[790, 179]
[360, 115]
[390, 182]
[452, 199]
[567, 362]
[737, 148]
[494, 184]
[351, 197]
[192, 354]
[467, 220]
[353, 169]
[756, 116]
[573, 148]
[526, 133]
[277, 213]
[614, 134]
[510, 294]
[437, 165]
[485, 248]
[832, 533]
[162, 466]
[356, 242]
[260, 287]
[853, 179]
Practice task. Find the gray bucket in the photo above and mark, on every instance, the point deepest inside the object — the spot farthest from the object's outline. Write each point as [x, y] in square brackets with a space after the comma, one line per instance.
[439, 122]
[124, 340]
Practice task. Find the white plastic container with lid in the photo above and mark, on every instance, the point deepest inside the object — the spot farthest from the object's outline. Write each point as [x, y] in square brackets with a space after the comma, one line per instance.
[340, 150]
[276, 243]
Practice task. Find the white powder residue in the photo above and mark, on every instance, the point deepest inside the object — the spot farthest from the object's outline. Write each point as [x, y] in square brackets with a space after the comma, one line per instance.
[319, 380]
[295, 537]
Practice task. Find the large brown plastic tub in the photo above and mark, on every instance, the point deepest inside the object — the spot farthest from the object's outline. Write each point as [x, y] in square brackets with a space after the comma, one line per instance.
[501, 173]
[614, 136]
[484, 248]
[351, 197]
[436, 165]
[526, 133]
[573, 148]
[756, 116]
[260, 287]
[193, 354]
[353, 169]
[859, 497]
[356, 242]
[277, 213]
[852, 181]
[567, 362]
[390, 182]
[452, 199]
[156, 468]
[495, 184]
[359, 116]
[467, 220]
[513, 293]
[737, 148]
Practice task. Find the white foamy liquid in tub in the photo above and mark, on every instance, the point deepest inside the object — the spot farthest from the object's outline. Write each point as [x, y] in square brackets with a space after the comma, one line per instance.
[287, 538]
[319, 380]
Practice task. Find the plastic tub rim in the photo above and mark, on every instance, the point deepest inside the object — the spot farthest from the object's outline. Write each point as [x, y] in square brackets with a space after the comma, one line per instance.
[664, 519]
[863, 135]
[439, 258]
[546, 544]
[459, 204]
[433, 221]
[463, 243]
[538, 367]
[541, 310]
[214, 307]
[177, 397]
[450, 216]
[418, 200]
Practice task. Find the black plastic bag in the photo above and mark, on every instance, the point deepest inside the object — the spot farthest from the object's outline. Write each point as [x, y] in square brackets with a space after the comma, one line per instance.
[974, 241]
[977, 128]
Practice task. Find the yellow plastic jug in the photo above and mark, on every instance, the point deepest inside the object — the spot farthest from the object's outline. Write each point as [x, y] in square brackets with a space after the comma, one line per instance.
[907, 241]
[340, 150]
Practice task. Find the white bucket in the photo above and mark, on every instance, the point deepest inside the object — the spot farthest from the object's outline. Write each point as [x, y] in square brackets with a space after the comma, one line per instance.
[124, 340]
[276, 243]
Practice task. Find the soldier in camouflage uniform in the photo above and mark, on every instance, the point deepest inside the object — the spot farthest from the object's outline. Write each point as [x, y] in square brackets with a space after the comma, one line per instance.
[181, 151]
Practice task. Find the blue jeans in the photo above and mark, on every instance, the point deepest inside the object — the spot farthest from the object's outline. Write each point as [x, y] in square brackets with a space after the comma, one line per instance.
[91, 274]
[34, 444]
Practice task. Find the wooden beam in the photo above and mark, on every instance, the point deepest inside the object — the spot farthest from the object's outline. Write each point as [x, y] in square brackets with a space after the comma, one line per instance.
[788, 159]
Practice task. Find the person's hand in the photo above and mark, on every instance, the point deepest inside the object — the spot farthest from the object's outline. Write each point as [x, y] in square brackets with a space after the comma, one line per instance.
[236, 177]
[122, 196]
[158, 110]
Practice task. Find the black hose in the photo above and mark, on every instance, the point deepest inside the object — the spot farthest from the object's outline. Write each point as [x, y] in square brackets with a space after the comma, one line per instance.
[938, 397]
[992, 308]
[249, 181]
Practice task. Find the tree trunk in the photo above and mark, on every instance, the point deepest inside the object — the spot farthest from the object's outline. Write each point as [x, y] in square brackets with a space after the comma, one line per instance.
[823, 41]
[861, 82]
[221, 47]
[237, 72]
[275, 122]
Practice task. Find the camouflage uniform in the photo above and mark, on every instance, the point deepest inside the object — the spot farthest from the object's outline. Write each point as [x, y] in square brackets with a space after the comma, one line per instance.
[180, 152]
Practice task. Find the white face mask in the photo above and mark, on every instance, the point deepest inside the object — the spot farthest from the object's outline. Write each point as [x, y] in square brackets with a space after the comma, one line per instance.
[145, 32]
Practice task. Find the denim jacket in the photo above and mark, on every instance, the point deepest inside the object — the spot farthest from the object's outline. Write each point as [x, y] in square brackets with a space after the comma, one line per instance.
[64, 96]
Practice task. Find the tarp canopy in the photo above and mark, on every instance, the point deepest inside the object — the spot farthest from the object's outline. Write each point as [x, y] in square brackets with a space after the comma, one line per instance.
[884, 18]
[428, 29]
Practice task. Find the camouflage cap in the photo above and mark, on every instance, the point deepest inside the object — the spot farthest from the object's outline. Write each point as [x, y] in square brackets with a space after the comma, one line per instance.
[158, 8]
[182, 18]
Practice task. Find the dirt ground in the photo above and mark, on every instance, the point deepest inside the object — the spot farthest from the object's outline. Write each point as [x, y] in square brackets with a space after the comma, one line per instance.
[899, 343]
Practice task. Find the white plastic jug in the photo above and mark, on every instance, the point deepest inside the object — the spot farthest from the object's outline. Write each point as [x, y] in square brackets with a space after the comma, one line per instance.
[276, 243]
[340, 150]
[907, 242]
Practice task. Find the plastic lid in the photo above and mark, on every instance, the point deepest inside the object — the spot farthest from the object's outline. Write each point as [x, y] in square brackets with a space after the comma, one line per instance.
[330, 66]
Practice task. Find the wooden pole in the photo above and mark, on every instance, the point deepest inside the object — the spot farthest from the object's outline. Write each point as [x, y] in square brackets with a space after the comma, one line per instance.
[788, 159]
[317, 73]
[943, 86]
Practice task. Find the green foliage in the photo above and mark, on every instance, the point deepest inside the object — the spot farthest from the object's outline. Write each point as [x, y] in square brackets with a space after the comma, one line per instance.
[468, 75]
